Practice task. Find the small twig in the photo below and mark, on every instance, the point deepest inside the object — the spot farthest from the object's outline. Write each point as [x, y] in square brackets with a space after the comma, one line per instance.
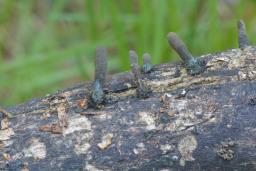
[93, 113]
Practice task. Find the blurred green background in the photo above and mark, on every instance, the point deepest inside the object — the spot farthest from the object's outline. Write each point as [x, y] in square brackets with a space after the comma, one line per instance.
[46, 45]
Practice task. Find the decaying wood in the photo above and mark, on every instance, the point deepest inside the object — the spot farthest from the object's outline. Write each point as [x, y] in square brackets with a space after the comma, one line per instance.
[201, 122]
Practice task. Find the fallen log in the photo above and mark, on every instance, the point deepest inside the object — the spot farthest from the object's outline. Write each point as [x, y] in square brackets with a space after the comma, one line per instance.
[196, 115]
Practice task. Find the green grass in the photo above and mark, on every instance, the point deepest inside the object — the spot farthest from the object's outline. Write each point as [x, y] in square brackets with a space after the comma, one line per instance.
[49, 45]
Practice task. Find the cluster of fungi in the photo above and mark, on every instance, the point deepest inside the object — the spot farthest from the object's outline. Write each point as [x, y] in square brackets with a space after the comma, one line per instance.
[194, 66]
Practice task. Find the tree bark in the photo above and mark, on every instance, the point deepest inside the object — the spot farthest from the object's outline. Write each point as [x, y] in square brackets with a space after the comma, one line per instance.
[202, 122]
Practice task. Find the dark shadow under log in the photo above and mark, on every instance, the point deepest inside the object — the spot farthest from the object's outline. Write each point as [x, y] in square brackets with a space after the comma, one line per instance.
[202, 122]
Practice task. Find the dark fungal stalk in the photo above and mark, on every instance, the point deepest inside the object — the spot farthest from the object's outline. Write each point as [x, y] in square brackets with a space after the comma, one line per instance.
[147, 65]
[134, 66]
[98, 95]
[142, 91]
[243, 41]
[193, 65]
[101, 65]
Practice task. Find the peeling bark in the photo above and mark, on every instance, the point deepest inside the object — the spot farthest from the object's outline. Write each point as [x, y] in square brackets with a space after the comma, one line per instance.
[202, 122]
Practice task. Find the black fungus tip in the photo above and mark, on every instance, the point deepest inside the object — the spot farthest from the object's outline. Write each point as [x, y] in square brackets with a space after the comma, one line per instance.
[97, 94]
[147, 65]
[243, 40]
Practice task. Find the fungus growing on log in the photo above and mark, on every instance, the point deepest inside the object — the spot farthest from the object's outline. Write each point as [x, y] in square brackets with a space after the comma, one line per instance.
[202, 118]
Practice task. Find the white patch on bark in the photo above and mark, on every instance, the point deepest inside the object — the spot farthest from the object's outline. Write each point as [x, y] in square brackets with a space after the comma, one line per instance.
[148, 119]
[7, 143]
[90, 167]
[166, 148]
[170, 73]
[82, 148]
[186, 146]
[185, 116]
[77, 124]
[106, 141]
[37, 149]
[17, 156]
[82, 143]
[140, 148]
[103, 117]
[6, 134]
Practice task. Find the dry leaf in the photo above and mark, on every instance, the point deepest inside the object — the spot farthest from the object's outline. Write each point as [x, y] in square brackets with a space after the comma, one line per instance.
[106, 141]
[4, 123]
[56, 129]
[45, 128]
[62, 115]
[6, 156]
